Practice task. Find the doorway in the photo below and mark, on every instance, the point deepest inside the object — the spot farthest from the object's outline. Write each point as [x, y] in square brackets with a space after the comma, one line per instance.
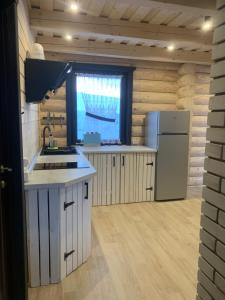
[12, 241]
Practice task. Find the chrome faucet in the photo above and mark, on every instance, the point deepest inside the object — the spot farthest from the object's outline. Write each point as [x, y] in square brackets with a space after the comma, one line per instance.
[44, 132]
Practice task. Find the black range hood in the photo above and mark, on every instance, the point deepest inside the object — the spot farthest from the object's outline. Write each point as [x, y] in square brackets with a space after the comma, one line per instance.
[42, 77]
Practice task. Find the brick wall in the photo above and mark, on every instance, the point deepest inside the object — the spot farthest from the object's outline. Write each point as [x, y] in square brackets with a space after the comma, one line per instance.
[211, 276]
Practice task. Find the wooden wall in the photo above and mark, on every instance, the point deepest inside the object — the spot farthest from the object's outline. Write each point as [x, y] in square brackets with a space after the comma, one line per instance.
[193, 93]
[30, 118]
[56, 106]
[157, 86]
[154, 88]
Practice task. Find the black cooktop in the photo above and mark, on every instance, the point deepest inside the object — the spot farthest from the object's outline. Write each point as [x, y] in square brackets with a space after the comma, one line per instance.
[60, 165]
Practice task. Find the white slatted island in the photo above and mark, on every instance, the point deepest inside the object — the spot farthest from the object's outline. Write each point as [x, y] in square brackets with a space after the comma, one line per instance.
[58, 207]
[58, 204]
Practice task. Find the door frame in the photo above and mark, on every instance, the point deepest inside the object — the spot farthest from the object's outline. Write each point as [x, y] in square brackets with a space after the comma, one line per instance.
[12, 204]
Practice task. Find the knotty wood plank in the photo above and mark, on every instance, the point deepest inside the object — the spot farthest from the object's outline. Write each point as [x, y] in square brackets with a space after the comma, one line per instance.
[57, 208]
[80, 224]
[33, 237]
[109, 179]
[74, 224]
[44, 236]
[69, 229]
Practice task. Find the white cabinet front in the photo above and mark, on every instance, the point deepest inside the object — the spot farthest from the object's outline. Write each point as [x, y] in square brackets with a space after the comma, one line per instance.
[123, 178]
[58, 231]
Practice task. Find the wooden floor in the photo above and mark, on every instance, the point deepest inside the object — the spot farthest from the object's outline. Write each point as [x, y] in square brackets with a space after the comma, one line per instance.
[140, 251]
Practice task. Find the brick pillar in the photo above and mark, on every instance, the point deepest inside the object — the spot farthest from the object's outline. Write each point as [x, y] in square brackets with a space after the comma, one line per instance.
[211, 275]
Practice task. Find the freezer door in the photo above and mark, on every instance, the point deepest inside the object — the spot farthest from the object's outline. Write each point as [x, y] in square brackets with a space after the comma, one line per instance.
[174, 122]
[151, 129]
[172, 167]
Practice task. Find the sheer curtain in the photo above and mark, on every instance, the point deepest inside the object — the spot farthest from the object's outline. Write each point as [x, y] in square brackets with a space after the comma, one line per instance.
[101, 95]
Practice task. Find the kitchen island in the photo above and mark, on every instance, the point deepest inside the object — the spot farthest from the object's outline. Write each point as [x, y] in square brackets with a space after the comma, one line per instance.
[58, 206]
[59, 203]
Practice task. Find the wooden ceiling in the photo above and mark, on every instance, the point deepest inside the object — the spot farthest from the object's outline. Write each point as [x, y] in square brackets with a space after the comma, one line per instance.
[136, 29]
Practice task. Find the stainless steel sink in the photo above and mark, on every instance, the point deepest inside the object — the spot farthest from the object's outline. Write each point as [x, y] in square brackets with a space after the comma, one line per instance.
[59, 151]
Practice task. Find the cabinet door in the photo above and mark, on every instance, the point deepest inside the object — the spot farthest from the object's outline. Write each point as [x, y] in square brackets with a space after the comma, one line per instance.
[101, 191]
[90, 157]
[115, 160]
[108, 179]
[128, 178]
[68, 207]
[86, 222]
[145, 177]
[103, 171]
[77, 210]
[96, 179]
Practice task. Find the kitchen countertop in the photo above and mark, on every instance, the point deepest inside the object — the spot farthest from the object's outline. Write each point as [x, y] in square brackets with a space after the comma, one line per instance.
[116, 149]
[63, 177]
[59, 177]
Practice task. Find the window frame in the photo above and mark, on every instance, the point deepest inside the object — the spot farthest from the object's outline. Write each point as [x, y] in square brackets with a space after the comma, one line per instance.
[126, 93]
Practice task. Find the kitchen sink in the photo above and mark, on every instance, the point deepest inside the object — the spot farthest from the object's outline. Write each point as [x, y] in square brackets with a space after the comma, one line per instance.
[59, 150]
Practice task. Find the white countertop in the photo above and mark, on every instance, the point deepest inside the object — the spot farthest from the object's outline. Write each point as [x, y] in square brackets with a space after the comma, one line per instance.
[63, 177]
[117, 149]
[60, 177]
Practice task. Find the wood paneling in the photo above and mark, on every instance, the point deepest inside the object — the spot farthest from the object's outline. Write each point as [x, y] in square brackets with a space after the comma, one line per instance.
[154, 97]
[30, 115]
[119, 28]
[194, 95]
[120, 49]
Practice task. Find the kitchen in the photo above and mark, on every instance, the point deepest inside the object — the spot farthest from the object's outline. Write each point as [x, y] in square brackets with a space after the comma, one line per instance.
[117, 119]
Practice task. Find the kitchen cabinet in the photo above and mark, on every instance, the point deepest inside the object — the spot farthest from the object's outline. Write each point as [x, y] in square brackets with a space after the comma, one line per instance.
[58, 231]
[106, 182]
[115, 179]
[122, 177]
[145, 177]
[128, 174]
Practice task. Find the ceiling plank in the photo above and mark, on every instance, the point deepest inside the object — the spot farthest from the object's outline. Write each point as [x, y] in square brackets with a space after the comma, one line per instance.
[206, 4]
[122, 51]
[113, 61]
[195, 7]
[46, 5]
[89, 26]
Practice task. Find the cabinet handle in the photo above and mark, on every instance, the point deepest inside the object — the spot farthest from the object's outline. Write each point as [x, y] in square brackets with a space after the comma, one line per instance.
[150, 164]
[67, 254]
[149, 189]
[114, 161]
[123, 160]
[68, 204]
[86, 184]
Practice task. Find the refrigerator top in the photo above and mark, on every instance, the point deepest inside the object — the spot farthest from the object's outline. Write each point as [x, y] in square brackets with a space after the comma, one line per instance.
[169, 122]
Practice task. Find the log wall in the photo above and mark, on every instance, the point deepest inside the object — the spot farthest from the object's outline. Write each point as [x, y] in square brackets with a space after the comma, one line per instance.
[193, 93]
[154, 88]
[30, 117]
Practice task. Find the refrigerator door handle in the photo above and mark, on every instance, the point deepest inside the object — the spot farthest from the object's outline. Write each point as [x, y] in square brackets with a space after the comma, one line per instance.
[157, 146]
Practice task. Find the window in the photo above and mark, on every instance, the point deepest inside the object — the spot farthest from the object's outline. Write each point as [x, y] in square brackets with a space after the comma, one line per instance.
[99, 100]
[98, 106]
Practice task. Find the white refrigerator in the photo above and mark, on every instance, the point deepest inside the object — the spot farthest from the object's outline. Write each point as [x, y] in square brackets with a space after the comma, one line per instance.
[168, 132]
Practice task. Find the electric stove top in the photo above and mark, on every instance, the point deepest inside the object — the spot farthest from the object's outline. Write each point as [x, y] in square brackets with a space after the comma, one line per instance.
[60, 165]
